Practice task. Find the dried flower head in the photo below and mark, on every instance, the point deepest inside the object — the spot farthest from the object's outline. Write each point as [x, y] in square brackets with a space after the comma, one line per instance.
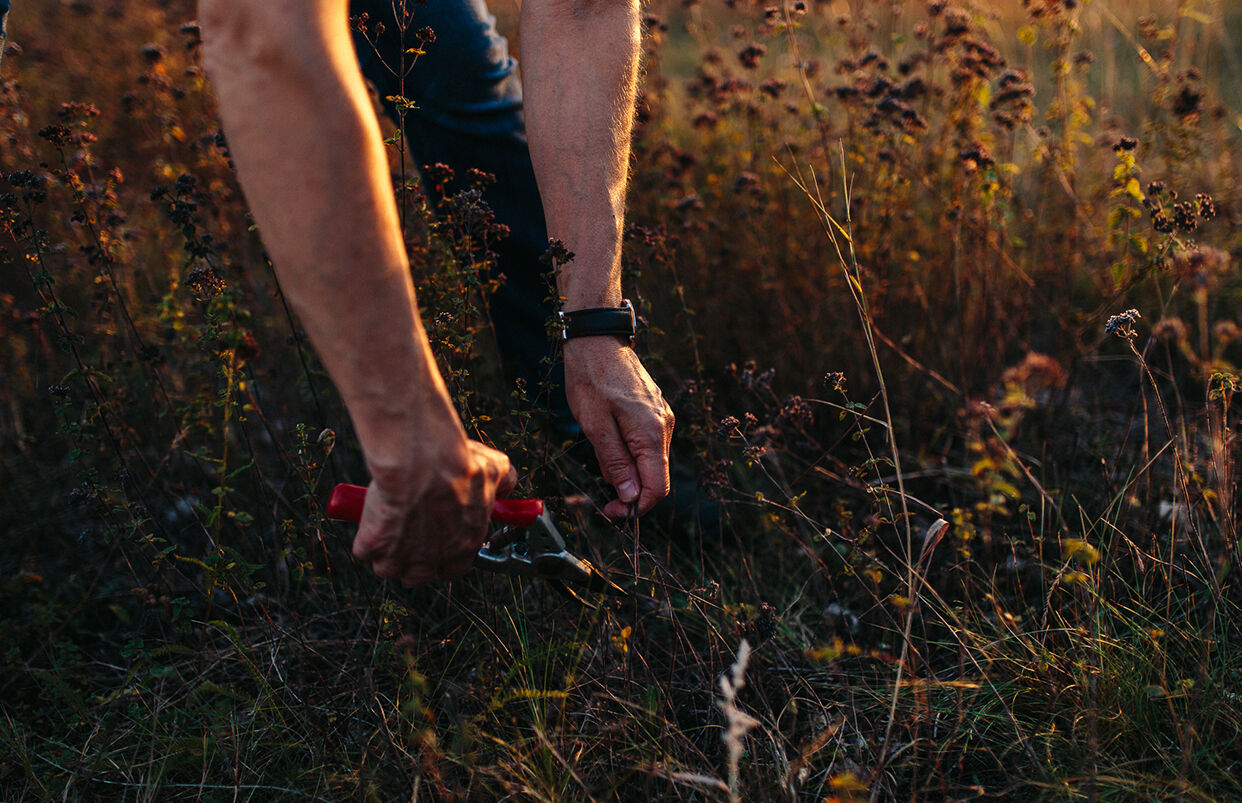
[1122, 324]
[1035, 373]
[1170, 329]
[1226, 332]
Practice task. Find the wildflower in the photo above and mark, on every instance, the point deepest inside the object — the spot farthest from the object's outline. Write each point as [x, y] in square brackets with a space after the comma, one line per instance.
[914, 88]
[762, 627]
[57, 134]
[751, 54]
[773, 87]
[1226, 332]
[1126, 144]
[796, 412]
[556, 255]
[205, 283]
[77, 111]
[1201, 263]
[976, 157]
[1186, 102]
[835, 380]
[1184, 217]
[1036, 372]
[705, 120]
[1207, 207]
[1122, 324]
[746, 182]
[873, 58]
[182, 212]
[1169, 329]
[193, 35]
[879, 87]
[152, 52]
[438, 175]
[185, 184]
[956, 22]
[653, 24]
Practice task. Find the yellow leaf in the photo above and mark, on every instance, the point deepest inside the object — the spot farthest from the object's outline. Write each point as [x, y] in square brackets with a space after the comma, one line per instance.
[848, 782]
[827, 653]
[1133, 188]
[1077, 548]
[1077, 578]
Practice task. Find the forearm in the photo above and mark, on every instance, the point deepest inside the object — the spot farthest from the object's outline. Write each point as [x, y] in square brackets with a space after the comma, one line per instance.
[310, 160]
[580, 68]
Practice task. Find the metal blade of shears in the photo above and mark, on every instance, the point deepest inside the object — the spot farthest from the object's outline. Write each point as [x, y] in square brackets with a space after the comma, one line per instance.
[527, 545]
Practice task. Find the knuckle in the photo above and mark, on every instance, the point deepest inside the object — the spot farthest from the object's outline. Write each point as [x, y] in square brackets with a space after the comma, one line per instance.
[650, 441]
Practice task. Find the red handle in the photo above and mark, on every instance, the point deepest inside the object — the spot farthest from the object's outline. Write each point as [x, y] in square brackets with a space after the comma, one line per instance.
[346, 503]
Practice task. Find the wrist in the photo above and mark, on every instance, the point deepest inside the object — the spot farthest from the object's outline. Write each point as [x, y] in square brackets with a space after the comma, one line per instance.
[584, 299]
[404, 466]
[584, 284]
[410, 434]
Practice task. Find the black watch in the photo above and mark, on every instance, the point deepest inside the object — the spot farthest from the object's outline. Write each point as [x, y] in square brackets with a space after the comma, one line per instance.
[616, 321]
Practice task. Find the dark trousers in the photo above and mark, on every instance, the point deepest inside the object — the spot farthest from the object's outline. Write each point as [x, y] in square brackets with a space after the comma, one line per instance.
[468, 114]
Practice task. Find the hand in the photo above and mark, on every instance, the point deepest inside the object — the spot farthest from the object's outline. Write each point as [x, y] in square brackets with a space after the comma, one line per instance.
[426, 522]
[625, 417]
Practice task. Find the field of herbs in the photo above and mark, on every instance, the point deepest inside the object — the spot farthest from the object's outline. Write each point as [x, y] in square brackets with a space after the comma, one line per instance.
[943, 297]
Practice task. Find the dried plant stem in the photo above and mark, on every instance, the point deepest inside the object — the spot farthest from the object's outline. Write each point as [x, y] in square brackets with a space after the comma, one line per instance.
[739, 722]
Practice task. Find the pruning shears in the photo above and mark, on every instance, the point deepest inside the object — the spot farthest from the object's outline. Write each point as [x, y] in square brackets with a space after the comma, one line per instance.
[527, 543]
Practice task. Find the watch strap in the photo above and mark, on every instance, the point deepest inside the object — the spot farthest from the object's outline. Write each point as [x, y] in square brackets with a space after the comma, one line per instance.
[597, 321]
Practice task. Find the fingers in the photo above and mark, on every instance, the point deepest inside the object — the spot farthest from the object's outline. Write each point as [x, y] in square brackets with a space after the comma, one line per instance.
[626, 418]
[434, 532]
[653, 469]
[633, 457]
[615, 463]
[650, 450]
[499, 462]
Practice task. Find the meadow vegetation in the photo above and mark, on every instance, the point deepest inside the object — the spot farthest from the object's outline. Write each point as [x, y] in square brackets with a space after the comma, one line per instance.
[942, 295]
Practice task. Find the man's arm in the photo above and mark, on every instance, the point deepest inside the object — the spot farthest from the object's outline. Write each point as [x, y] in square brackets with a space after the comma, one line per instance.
[579, 70]
[310, 159]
